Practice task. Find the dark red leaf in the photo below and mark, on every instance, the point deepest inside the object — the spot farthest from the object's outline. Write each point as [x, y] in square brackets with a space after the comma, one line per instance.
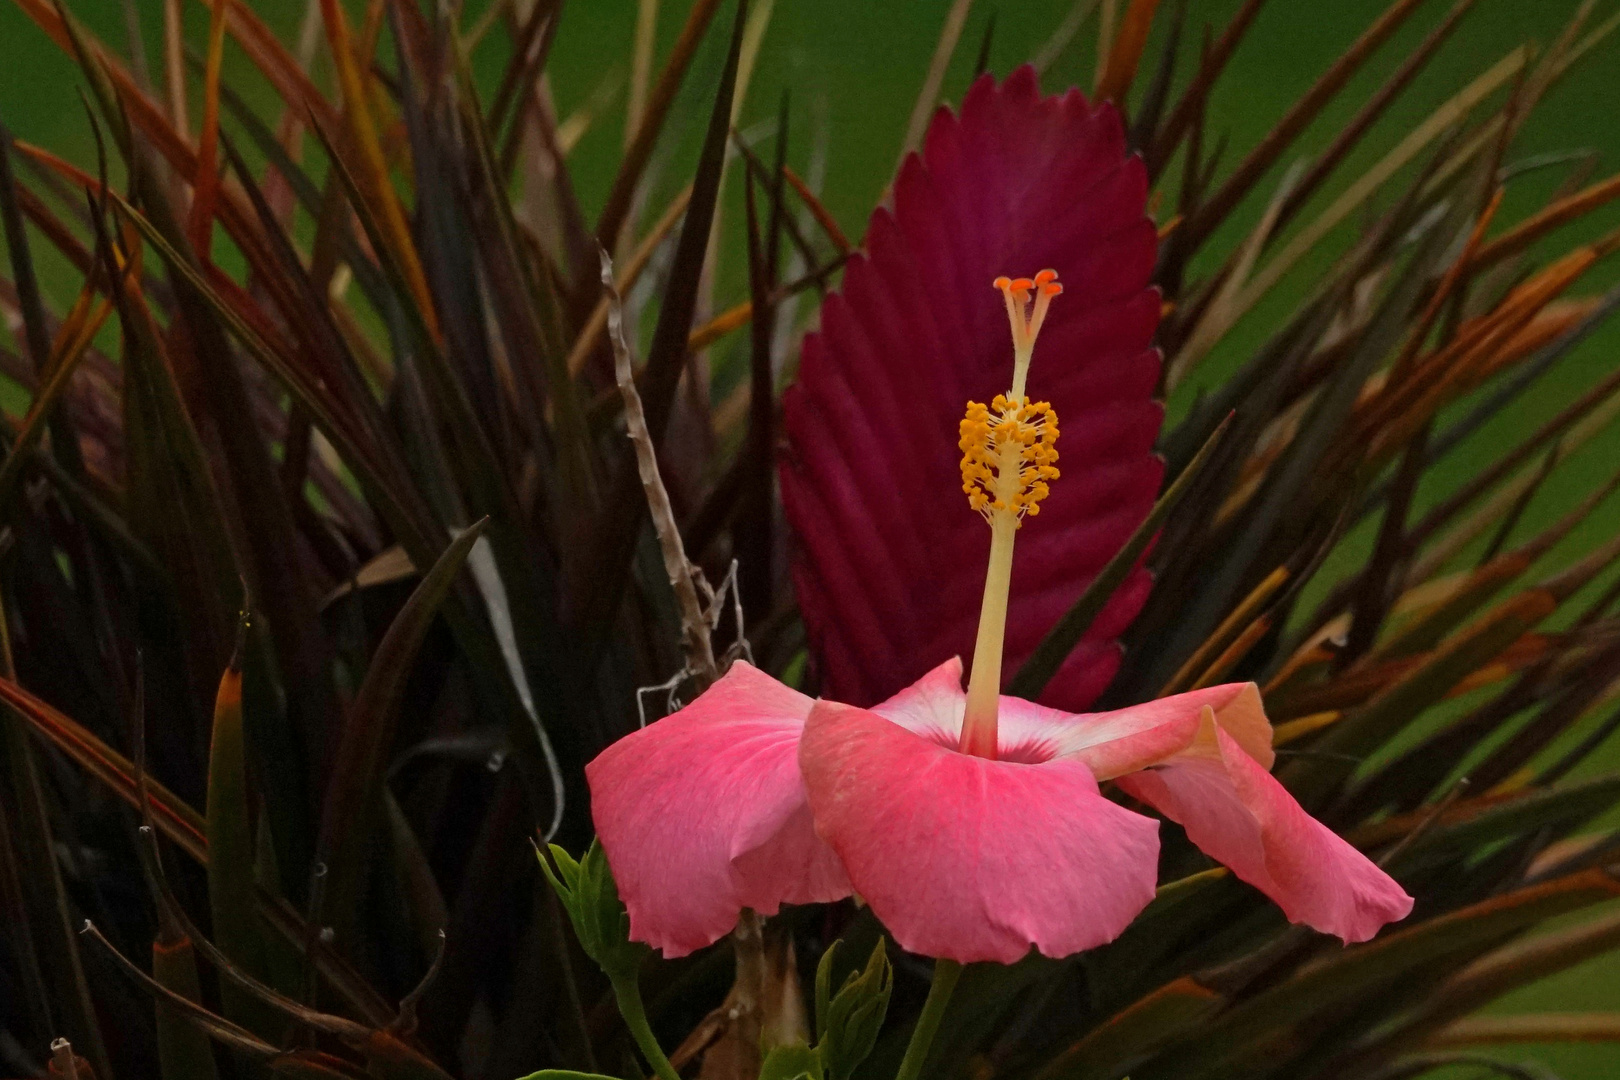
[890, 561]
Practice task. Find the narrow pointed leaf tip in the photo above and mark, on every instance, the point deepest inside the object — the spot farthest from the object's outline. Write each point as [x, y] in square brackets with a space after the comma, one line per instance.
[888, 562]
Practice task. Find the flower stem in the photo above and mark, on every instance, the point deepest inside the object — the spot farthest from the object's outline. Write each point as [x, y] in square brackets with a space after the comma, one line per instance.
[627, 991]
[946, 972]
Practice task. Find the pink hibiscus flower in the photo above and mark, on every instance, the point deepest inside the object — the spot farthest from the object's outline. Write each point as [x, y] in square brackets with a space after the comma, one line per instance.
[972, 823]
[970, 858]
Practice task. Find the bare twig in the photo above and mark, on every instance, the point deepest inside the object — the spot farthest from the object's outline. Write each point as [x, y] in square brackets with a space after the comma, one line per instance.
[696, 645]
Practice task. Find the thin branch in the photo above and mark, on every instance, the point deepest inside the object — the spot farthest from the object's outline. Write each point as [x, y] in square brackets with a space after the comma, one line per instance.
[694, 626]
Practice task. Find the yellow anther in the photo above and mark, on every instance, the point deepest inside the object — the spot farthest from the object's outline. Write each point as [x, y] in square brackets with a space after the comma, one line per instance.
[1008, 452]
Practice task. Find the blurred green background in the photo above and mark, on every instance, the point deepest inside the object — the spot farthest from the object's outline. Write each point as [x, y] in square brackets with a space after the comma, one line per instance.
[852, 69]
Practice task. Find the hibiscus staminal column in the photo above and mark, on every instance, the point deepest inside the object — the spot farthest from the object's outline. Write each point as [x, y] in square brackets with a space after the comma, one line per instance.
[1009, 453]
[1008, 457]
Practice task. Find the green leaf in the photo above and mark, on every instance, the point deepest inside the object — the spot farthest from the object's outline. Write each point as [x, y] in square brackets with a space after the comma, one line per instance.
[86, 54]
[823, 993]
[850, 1022]
[1134, 963]
[232, 891]
[1394, 707]
[183, 1050]
[566, 1074]
[1557, 809]
[352, 808]
[1152, 1021]
[1453, 436]
[1516, 964]
[1216, 208]
[1425, 631]
[639, 152]
[1273, 512]
[794, 1062]
[366, 273]
[1366, 972]
[591, 898]
[987, 997]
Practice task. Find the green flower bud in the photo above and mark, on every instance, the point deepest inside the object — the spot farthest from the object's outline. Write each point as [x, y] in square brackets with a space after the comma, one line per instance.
[588, 893]
[848, 1022]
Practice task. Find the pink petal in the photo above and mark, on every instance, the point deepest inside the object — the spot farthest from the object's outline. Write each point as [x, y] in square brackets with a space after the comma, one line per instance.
[889, 560]
[932, 706]
[1238, 813]
[703, 813]
[1139, 736]
[971, 859]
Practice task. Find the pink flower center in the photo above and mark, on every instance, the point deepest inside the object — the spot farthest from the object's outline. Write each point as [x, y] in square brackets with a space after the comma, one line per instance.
[1030, 750]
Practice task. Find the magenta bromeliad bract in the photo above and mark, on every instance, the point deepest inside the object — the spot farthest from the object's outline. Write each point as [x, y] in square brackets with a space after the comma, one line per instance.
[887, 567]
